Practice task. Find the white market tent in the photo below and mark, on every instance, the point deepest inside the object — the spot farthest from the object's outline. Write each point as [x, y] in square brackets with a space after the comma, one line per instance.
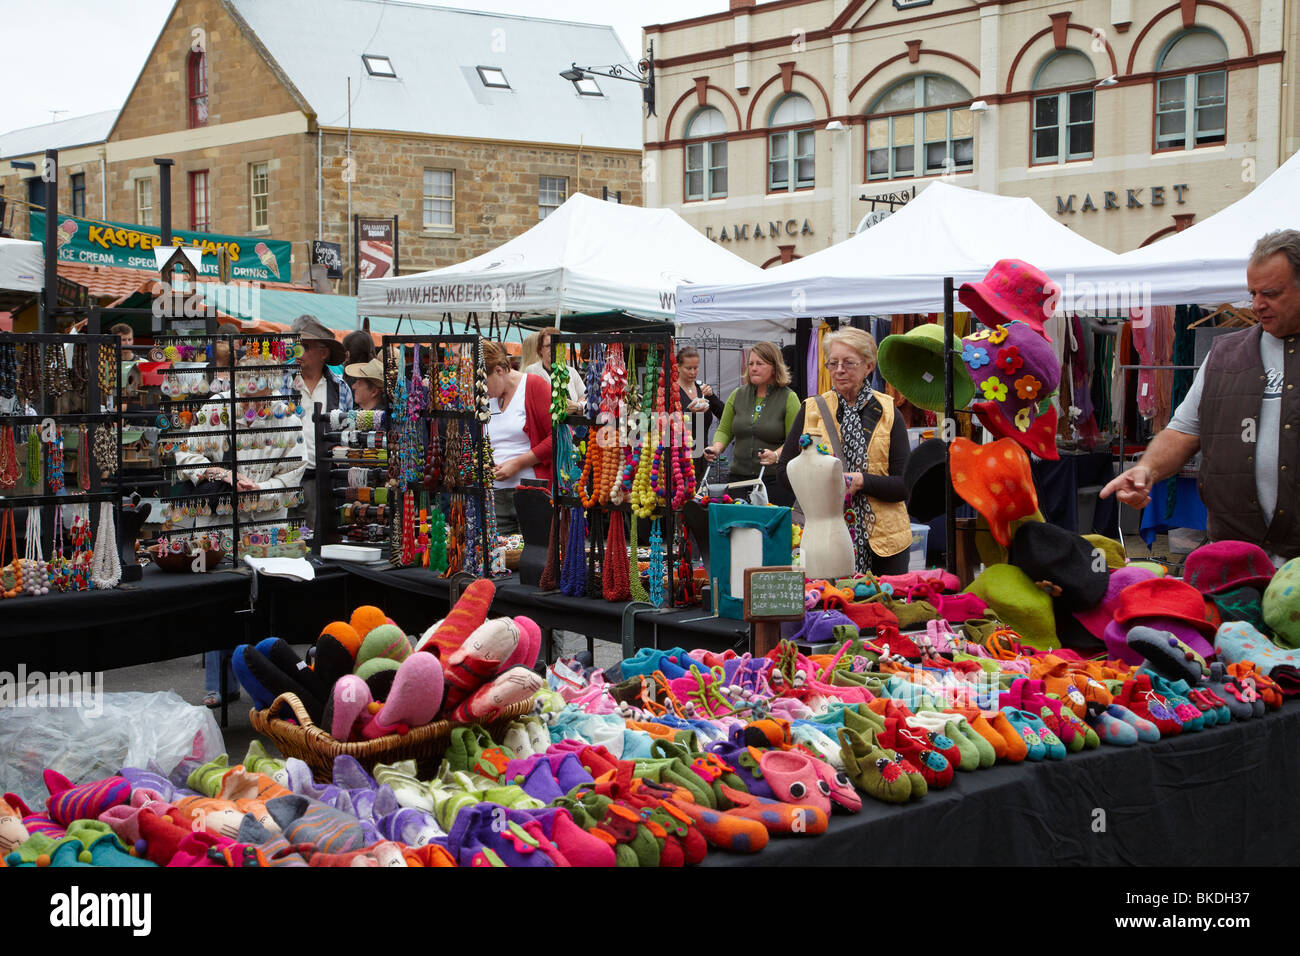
[22, 265]
[586, 256]
[1206, 262]
[896, 266]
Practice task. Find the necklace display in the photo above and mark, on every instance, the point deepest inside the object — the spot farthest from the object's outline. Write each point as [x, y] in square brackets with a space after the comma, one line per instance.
[8, 458]
[54, 472]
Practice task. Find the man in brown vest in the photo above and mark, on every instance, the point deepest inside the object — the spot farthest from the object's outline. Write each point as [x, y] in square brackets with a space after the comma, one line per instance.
[1243, 415]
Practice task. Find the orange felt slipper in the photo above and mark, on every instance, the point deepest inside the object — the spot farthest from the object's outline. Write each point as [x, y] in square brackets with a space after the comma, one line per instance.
[982, 727]
[1017, 749]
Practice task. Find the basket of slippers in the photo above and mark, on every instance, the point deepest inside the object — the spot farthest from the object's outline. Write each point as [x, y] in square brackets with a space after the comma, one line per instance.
[370, 691]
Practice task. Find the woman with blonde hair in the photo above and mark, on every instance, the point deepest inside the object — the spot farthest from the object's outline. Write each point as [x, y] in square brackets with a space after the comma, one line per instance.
[863, 429]
[536, 360]
[758, 415]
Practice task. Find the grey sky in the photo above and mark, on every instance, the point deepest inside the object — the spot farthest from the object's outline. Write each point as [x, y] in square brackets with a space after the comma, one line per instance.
[97, 75]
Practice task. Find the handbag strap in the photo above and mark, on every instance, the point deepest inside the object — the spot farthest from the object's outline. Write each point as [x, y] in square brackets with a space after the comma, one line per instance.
[831, 426]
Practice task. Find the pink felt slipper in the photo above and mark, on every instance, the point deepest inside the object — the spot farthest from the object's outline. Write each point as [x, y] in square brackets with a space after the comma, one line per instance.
[794, 778]
[351, 703]
[417, 692]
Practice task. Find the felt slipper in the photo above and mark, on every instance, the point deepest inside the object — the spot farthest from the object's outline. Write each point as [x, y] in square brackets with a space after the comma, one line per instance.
[871, 770]
[470, 611]
[102, 847]
[1142, 699]
[349, 707]
[778, 817]
[87, 801]
[1168, 655]
[1113, 730]
[489, 701]
[1229, 692]
[42, 851]
[417, 693]
[1191, 716]
[1147, 732]
[1036, 747]
[386, 641]
[794, 778]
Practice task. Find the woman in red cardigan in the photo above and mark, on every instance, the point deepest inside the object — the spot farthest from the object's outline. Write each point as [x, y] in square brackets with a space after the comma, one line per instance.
[520, 430]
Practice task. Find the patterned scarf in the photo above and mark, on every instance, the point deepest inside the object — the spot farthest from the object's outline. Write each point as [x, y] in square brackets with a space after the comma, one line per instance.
[858, 514]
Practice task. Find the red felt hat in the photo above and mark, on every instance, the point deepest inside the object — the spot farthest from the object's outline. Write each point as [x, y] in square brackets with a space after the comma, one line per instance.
[1225, 565]
[1164, 597]
[1012, 291]
[1038, 437]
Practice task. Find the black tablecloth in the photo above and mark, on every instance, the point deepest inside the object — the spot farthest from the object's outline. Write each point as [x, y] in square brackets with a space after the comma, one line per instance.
[163, 616]
[1217, 797]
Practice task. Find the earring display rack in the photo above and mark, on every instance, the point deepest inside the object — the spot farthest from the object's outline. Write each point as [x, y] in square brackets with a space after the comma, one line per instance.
[642, 473]
[35, 473]
[439, 458]
[352, 483]
[229, 432]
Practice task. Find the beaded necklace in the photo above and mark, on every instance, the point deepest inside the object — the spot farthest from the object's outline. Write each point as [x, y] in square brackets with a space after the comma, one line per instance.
[644, 502]
[107, 381]
[83, 459]
[29, 376]
[106, 442]
[36, 572]
[437, 542]
[482, 409]
[55, 469]
[635, 587]
[573, 577]
[8, 370]
[614, 574]
[408, 528]
[8, 458]
[35, 472]
[56, 371]
[658, 570]
[11, 577]
[559, 384]
[106, 563]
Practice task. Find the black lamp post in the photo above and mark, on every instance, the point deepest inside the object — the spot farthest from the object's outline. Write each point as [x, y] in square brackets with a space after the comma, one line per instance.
[643, 75]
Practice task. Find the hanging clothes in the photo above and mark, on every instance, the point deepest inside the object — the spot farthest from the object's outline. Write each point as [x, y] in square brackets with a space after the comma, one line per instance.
[1184, 349]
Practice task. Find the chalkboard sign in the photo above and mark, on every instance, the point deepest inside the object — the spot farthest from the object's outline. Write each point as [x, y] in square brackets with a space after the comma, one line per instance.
[774, 594]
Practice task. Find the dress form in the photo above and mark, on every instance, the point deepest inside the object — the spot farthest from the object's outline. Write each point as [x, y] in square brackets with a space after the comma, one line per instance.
[818, 483]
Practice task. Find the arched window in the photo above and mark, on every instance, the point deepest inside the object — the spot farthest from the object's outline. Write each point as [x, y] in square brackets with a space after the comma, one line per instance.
[791, 153]
[198, 89]
[706, 162]
[903, 122]
[1192, 106]
[1063, 120]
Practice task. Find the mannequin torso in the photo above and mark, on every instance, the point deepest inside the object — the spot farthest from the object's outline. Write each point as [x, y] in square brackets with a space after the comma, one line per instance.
[818, 483]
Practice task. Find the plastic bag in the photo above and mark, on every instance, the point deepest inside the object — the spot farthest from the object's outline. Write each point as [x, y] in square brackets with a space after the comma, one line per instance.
[108, 732]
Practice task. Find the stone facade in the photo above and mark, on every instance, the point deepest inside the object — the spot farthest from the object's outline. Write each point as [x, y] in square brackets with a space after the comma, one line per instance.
[255, 115]
[842, 55]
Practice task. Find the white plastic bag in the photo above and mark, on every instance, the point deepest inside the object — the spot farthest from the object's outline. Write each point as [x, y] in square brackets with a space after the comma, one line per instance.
[95, 740]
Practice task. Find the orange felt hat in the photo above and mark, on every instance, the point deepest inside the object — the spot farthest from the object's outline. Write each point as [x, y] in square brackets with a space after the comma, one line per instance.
[996, 481]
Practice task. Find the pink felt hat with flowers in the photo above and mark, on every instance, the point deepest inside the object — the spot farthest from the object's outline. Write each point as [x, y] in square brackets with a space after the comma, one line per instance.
[1014, 370]
[1012, 291]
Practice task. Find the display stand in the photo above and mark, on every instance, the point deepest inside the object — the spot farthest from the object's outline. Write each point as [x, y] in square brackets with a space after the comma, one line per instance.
[563, 497]
[350, 457]
[429, 415]
[180, 414]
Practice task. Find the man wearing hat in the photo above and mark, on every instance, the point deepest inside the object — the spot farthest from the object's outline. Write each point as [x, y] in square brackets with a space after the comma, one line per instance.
[1243, 414]
[316, 383]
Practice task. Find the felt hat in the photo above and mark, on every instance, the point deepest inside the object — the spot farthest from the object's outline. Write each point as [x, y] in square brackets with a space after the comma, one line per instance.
[1038, 435]
[1096, 618]
[996, 481]
[1048, 553]
[1014, 370]
[1013, 290]
[372, 370]
[912, 362]
[1020, 603]
[1166, 598]
[1242, 604]
[924, 479]
[1115, 637]
[1112, 549]
[1224, 565]
[1282, 604]
[311, 329]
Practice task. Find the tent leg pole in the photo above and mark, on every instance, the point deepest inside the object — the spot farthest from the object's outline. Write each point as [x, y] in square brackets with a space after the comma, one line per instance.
[948, 431]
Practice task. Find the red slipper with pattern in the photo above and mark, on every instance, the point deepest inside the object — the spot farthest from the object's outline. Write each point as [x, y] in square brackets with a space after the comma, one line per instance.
[778, 817]
[940, 743]
[722, 828]
[917, 750]
[1138, 696]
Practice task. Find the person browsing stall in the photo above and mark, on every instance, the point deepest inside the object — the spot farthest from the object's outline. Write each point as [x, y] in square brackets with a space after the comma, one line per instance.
[537, 360]
[1248, 485]
[317, 384]
[520, 430]
[865, 431]
[367, 384]
[698, 398]
[758, 415]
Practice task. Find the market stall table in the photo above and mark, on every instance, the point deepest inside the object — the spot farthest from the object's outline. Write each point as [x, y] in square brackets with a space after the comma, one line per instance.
[1216, 797]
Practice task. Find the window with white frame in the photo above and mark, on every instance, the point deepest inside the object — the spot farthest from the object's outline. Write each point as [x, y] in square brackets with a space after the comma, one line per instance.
[551, 193]
[1192, 108]
[791, 153]
[440, 200]
[1063, 120]
[913, 131]
[706, 161]
[144, 202]
[259, 192]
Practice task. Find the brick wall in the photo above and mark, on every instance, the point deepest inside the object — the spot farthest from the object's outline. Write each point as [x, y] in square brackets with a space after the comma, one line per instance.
[496, 189]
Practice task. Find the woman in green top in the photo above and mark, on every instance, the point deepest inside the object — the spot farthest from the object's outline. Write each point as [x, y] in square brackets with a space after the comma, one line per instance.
[758, 415]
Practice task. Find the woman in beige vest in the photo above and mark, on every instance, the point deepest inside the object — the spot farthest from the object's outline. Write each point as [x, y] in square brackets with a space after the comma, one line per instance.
[863, 431]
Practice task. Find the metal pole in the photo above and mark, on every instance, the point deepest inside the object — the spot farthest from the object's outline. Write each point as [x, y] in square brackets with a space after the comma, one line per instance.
[50, 298]
[949, 422]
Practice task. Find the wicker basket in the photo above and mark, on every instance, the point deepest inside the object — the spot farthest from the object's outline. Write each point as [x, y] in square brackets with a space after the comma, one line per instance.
[183, 563]
[315, 747]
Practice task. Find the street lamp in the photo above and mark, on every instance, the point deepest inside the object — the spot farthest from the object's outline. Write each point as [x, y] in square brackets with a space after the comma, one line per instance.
[643, 75]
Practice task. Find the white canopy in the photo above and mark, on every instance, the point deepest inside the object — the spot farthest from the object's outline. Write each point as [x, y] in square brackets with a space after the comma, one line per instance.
[898, 265]
[22, 265]
[586, 256]
[1206, 262]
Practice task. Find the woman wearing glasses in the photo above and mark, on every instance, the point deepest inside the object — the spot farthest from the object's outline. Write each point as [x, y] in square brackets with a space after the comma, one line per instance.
[758, 415]
[861, 426]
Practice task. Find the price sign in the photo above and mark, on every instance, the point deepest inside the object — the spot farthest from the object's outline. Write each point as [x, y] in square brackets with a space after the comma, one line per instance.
[774, 594]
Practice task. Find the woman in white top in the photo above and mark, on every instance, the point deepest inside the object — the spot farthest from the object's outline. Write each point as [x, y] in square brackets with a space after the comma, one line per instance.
[520, 430]
[536, 360]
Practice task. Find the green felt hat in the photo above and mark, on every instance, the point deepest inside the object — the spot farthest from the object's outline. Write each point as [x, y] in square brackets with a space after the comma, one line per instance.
[912, 362]
[1020, 603]
[1281, 604]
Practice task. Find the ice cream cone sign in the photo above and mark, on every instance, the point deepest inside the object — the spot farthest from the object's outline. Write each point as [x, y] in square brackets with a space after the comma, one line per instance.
[268, 258]
[66, 232]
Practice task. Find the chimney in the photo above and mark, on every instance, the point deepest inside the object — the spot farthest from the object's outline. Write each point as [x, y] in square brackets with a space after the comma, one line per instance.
[742, 4]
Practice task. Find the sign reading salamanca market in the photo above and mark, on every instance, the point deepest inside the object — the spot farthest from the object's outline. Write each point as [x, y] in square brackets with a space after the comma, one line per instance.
[131, 247]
